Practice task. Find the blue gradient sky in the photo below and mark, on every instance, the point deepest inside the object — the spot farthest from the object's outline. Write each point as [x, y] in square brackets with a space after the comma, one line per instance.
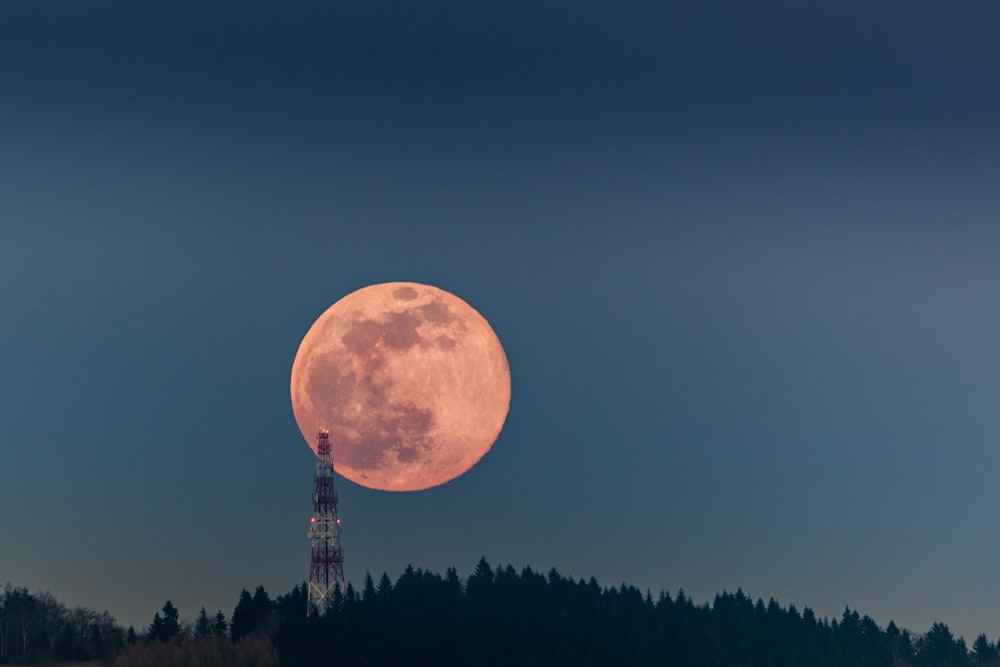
[743, 259]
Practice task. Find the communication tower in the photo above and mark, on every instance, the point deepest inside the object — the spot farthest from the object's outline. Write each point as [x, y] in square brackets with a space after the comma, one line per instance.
[327, 569]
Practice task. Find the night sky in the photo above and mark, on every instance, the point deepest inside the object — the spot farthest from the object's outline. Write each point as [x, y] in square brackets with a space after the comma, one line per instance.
[744, 259]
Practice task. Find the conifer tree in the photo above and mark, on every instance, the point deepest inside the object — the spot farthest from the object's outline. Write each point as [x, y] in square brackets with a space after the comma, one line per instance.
[221, 627]
[202, 626]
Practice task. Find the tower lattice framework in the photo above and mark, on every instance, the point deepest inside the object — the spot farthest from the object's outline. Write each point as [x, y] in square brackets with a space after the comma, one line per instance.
[326, 571]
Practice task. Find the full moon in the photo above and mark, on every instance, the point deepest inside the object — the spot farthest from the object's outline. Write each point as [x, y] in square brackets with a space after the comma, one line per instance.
[411, 382]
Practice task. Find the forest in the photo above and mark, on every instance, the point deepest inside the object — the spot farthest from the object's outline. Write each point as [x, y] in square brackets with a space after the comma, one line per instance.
[496, 616]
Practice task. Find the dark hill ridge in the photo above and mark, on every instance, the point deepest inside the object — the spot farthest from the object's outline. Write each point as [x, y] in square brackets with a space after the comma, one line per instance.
[495, 617]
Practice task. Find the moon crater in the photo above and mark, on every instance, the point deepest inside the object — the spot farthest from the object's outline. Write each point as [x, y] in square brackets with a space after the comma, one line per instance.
[411, 381]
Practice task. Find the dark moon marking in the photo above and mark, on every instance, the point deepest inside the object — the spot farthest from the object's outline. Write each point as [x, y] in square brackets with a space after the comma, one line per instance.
[436, 312]
[400, 432]
[374, 363]
[400, 332]
[405, 294]
[377, 394]
[407, 454]
[328, 382]
[445, 342]
[362, 336]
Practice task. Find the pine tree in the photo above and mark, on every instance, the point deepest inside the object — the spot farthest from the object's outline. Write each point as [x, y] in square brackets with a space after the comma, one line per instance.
[171, 622]
[243, 617]
[221, 627]
[202, 626]
[156, 628]
[368, 590]
[262, 612]
[984, 651]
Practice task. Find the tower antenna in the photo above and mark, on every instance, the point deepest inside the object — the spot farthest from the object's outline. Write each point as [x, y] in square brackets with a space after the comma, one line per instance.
[326, 571]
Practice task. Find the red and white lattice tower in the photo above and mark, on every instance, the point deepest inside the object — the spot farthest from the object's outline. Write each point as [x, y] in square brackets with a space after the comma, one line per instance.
[327, 569]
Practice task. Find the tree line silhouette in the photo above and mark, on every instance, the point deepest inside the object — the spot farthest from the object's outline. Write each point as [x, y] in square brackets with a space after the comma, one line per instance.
[497, 616]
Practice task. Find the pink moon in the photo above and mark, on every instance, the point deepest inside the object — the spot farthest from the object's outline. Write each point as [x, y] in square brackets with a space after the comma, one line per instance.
[411, 382]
